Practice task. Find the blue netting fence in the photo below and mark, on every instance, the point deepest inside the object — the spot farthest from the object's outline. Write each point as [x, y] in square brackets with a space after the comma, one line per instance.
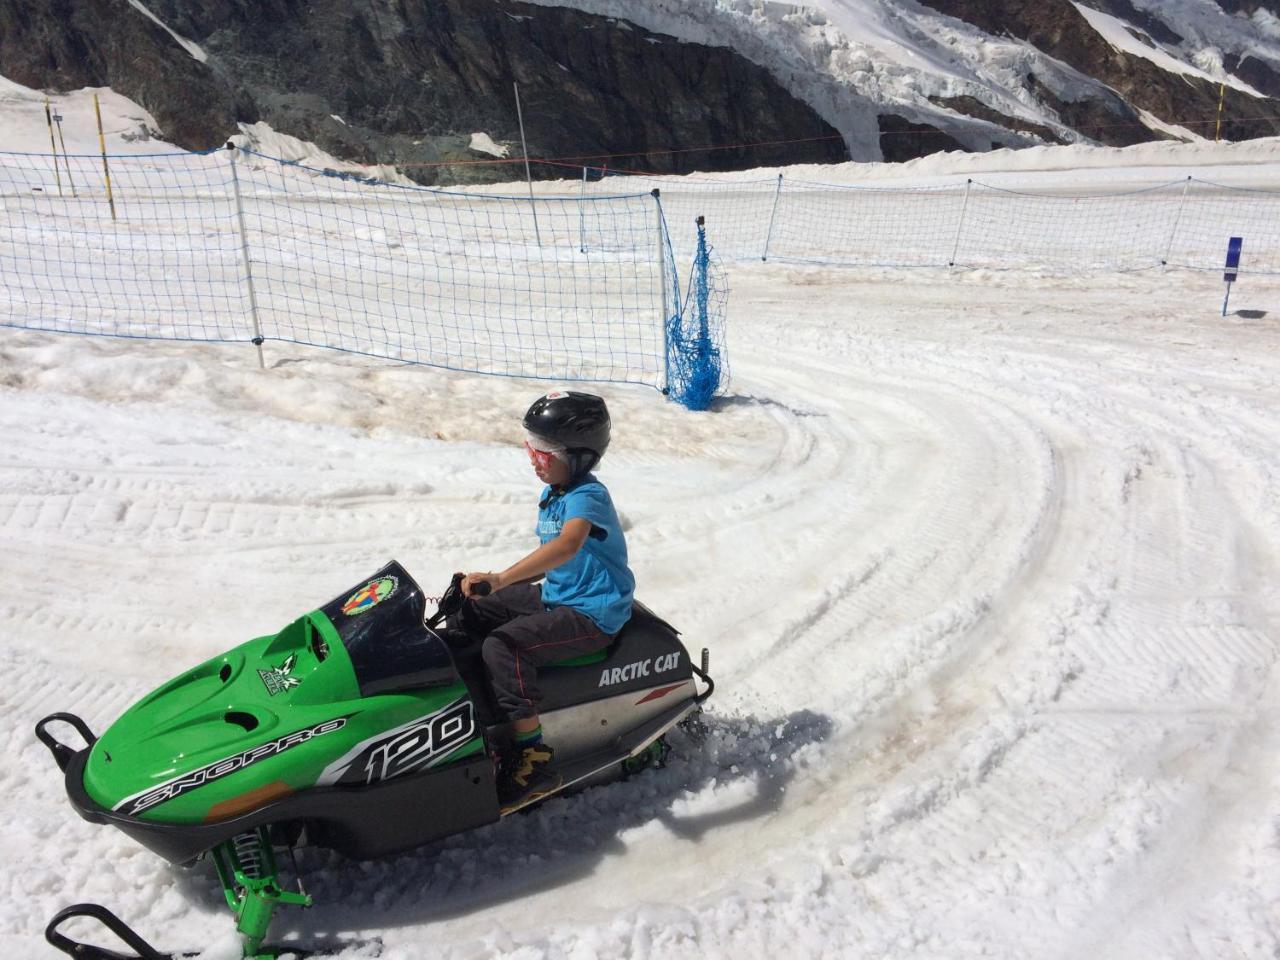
[697, 351]
[1182, 223]
[237, 246]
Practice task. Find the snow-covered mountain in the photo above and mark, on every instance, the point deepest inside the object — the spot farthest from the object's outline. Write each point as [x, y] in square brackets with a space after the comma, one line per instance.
[899, 76]
[428, 86]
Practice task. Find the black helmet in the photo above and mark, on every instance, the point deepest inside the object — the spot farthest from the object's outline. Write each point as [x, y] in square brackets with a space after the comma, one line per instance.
[579, 421]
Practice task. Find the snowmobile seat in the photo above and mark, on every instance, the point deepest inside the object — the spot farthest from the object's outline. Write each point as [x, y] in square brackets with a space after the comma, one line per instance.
[585, 660]
[643, 621]
[645, 634]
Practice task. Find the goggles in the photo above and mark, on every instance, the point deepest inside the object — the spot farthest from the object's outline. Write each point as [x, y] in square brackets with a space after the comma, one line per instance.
[543, 452]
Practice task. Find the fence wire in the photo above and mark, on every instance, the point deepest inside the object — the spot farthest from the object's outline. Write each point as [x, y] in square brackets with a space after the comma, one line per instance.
[1124, 231]
[557, 288]
[890, 227]
[1212, 214]
[1184, 223]
[167, 263]
[237, 246]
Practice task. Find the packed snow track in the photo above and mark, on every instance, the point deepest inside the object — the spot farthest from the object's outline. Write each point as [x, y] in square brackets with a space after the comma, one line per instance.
[987, 565]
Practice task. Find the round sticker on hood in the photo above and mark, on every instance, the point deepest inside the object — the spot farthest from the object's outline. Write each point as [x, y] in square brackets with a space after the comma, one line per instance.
[370, 595]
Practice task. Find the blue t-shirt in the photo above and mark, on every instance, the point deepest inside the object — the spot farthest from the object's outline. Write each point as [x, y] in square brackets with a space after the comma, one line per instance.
[596, 581]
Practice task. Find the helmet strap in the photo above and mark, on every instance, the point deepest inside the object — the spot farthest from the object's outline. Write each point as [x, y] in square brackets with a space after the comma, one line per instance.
[581, 462]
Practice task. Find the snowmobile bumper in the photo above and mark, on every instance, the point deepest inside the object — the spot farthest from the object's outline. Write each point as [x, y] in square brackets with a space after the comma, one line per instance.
[388, 817]
[142, 950]
[87, 951]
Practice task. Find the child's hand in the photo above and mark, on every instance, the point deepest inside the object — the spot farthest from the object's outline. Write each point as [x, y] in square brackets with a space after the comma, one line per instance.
[494, 580]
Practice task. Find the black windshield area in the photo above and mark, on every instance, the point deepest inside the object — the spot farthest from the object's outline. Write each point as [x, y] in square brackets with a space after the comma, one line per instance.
[380, 623]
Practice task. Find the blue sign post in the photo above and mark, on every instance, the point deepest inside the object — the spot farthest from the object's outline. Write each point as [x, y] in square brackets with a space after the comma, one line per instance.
[1233, 267]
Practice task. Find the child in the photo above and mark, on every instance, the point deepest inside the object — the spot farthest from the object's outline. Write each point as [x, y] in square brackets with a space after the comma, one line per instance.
[585, 599]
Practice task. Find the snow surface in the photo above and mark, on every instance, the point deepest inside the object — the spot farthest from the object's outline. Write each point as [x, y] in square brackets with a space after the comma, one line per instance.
[986, 562]
[127, 127]
[263, 138]
[483, 143]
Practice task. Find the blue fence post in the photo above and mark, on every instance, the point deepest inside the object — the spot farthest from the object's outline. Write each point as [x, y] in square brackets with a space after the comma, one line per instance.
[700, 292]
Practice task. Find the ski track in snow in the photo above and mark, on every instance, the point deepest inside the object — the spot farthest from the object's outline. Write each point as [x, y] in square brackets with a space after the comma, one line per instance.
[987, 565]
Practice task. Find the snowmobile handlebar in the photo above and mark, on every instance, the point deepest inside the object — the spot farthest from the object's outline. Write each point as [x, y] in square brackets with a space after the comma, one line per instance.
[452, 598]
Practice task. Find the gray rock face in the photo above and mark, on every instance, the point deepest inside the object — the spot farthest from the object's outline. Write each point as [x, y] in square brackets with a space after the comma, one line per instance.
[1058, 29]
[68, 44]
[408, 81]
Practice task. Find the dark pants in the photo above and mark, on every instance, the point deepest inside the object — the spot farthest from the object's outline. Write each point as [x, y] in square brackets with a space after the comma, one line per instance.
[520, 635]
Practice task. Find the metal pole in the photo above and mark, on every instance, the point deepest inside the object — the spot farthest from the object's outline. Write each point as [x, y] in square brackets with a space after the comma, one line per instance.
[666, 302]
[700, 285]
[57, 118]
[48, 116]
[955, 248]
[244, 250]
[102, 145]
[582, 215]
[528, 175]
[769, 236]
[1177, 220]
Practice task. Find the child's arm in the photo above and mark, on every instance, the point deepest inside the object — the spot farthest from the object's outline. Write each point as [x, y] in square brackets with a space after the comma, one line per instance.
[548, 556]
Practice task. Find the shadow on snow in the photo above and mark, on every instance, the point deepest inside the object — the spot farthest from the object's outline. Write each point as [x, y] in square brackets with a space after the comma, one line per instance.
[555, 843]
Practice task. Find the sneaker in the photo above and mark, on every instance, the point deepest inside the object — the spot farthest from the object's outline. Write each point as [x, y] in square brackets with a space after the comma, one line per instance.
[525, 775]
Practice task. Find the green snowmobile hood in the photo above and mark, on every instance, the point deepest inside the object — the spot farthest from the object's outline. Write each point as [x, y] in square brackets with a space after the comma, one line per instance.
[281, 714]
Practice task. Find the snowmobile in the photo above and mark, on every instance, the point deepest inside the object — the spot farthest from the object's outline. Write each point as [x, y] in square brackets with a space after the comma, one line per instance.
[365, 727]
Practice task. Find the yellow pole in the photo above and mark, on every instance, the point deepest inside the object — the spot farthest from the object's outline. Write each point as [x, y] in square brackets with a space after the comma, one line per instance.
[48, 118]
[1222, 95]
[102, 145]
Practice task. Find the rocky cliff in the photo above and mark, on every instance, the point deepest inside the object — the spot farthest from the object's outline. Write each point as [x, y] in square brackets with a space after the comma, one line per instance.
[1059, 29]
[902, 77]
[652, 84]
[410, 81]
